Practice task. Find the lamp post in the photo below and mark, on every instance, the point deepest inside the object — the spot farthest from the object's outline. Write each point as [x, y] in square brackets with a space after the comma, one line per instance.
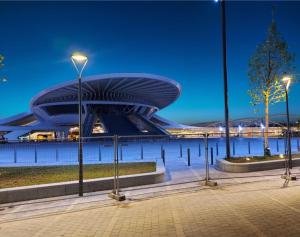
[287, 81]
[224, 47]
[79, 61]
[287, 176]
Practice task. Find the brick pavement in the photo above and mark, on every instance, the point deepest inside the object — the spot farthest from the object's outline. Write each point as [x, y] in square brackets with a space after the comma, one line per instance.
[238, 207]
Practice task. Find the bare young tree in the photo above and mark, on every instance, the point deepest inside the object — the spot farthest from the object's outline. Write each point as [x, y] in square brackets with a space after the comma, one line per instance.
[270, 61]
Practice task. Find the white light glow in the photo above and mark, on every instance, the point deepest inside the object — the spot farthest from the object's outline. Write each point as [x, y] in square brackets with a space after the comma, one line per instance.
[287, 80]
[79, 58]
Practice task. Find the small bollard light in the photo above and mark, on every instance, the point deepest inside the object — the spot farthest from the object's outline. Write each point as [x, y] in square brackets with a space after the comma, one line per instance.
[233, 147]
[189, 156]
[15, 155]
[180, 151]
[35, 155]
[199, 150]
[99, 151]
[121, 152]
[142, 152]
[249, 148]
[56, 155]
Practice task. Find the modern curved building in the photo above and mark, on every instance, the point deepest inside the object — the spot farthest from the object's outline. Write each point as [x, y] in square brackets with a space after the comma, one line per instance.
[123, 104]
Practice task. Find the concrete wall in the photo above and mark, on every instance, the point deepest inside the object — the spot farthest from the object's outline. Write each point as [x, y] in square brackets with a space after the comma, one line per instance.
[69, 188]
[226, 166]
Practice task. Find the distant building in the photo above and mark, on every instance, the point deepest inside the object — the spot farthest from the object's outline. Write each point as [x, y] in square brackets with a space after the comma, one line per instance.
[123, 104]
[244, 127]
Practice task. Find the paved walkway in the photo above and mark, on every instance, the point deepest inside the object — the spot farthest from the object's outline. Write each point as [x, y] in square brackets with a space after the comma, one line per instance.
[248, 206]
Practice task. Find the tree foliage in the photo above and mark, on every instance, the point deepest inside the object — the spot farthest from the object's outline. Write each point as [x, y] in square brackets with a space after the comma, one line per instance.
[267, 66]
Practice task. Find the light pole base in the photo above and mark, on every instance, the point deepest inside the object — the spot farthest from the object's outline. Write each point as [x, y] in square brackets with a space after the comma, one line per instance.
[119, 197]
[210, 183]
[289, 177]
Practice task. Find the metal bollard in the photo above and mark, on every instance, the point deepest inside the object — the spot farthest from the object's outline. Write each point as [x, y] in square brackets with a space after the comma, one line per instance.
[121, 152]
[35, 154]
[217, 149]
[56, 155]
[206, 158]
[142, 152]
[163, 156]
[277, 146]
[199, 150]
[211, 155]
[15, 155]
[99, 153]
[189, 156]
[249, 148]
[233, 147]
[180, 151]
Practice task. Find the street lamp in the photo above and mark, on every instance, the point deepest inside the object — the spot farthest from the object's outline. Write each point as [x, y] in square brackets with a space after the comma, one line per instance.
[79, 60]
[287, 82]
[224, 47]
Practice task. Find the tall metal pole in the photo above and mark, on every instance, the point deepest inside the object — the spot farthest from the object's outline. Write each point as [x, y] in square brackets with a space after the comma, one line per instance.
[80, 191]
[223, 19]
[289, 150]
[79, 61]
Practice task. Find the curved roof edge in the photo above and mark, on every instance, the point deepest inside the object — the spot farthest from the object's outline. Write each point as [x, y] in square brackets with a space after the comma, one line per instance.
[108, 76]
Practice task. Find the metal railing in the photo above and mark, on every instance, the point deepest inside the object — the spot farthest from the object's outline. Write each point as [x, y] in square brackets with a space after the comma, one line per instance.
[190, 149]
[134, 148]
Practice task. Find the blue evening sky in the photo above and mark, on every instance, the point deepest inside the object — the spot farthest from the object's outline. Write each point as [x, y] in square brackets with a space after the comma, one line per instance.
[180, 40]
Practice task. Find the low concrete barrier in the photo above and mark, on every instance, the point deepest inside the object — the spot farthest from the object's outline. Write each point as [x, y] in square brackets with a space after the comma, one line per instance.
[68, 188]
[227, 166]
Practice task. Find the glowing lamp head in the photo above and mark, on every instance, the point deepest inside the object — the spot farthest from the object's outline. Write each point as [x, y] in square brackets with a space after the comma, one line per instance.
[240, 128]
[79, 60]
[221, 129]
[287, 80]
[262, 126]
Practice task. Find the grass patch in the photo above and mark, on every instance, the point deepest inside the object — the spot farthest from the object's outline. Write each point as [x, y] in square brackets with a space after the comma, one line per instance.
[24, 176]
[249, 159]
